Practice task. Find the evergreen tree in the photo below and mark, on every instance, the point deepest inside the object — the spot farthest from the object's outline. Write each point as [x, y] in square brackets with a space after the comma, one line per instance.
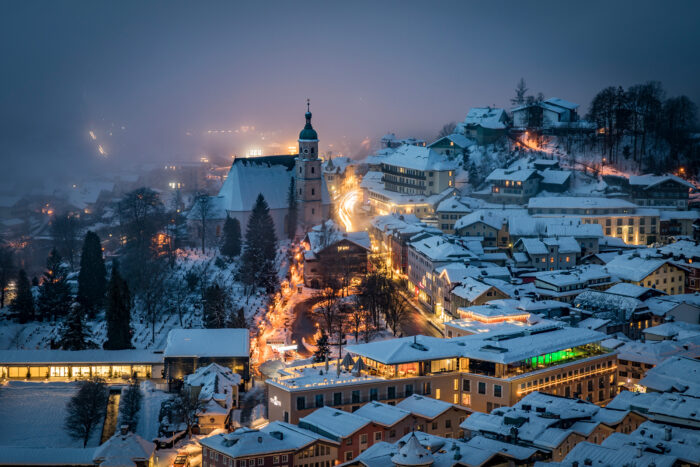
[75, 333]
[237, 320]
[292, 210]
[23, 303]
[7, 270]
[520, 91]
[54, 293]
[92, 279]
[118, 314]
[474, 178]
[323, 349]
[232, 238]
[260, 248]
[216, 307]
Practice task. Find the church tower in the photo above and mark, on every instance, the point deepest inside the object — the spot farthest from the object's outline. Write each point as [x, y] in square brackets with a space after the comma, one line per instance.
[309, 177]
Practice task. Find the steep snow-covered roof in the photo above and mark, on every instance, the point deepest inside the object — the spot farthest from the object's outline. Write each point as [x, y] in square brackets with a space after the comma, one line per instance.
[246, 442]
[628, 290]
[320, 238]
[555, 177]
[659, 405]
[382, 413]
[123, 450]
[470, 289]
[512, 175]
[413, 454]
[438, 249]
[419, 158]
[207, 343]
[424, 406]
[677, 374]
[494, 219]
[459, 140]
[248, 177]
[649, 181]
[631, 267]
[561, 103]
[293, 435]
[214, 380]
[333, 423]
[487, 117]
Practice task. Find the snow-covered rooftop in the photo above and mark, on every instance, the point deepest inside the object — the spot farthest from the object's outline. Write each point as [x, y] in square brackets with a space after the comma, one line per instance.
[512, 175]
[424, 406]
[123, 450]
[322, 236]
[578, 202]
[419, 158]
[677, 374]
[333, 423]
[632, 267]
[382, 413]
[650, 181]
[207, 343]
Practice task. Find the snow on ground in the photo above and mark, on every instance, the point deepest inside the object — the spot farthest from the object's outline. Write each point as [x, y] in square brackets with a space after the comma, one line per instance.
[33, 414]
[150, 408]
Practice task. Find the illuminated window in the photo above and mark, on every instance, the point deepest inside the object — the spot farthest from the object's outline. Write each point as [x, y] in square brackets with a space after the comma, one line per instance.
[567, 259]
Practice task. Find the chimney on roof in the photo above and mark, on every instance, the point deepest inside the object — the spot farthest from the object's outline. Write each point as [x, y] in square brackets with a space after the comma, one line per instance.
[667, 433]
[639, 452]
[124, 429]
[260, 439]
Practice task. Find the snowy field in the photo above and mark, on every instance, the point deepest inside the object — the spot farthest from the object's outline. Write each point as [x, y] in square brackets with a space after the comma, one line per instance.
[32, 415]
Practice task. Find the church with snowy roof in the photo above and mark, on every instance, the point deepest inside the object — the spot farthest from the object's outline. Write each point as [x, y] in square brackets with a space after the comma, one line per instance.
[271, 176]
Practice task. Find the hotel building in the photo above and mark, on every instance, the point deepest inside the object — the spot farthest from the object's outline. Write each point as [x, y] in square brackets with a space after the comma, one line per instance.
[481, 371]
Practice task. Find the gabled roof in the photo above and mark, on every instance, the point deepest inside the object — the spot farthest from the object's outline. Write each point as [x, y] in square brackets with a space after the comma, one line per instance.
[512, 175]
[124, 450]
[334, 423]
[248, 177]
[382, 413]
[561, 103]
[487, 117]
[459, 140]
[632, 267]
[320, 239]
[650, 181]
[426, 407]
[495, 219]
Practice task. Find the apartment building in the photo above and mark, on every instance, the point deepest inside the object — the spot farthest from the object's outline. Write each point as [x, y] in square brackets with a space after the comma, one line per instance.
[660, 191]
[491, 225]
[619, 218]
[513, 185]
[565, 286]
[651, 272]
[424, 257]
[480, 371]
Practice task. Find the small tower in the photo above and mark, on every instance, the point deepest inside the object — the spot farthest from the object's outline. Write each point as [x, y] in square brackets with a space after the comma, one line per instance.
[309, 178]
[412, 454]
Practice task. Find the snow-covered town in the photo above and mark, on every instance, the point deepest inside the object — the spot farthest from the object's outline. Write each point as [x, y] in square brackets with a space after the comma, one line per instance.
[519, 286]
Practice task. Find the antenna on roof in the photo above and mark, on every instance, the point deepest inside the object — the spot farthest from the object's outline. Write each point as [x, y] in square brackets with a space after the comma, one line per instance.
[308, 104]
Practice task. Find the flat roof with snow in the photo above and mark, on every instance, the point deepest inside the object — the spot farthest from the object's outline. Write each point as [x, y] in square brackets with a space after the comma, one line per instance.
[208, 343]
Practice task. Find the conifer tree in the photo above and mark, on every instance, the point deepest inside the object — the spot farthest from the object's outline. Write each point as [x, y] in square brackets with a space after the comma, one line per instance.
[292, 210]
[216, 307]
[54, 293]
[260, 248]
[23, 303]
[75, 333]
[118, 314]
[322, 349]
[92, 279]
[232, 238]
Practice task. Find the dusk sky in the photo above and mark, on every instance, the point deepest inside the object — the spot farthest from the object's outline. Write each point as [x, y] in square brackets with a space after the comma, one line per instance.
[159, 75]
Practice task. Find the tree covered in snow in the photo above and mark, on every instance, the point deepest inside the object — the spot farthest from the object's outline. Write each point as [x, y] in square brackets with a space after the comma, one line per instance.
[86, 409]
[118, 313]
[232, 238]
[92, 279]
[54, 293]
[217, 306]
[75, 332]
[258, 260]
[323, 348]
[23, 303]
[292, 210]
[186, 408]
[129, 406]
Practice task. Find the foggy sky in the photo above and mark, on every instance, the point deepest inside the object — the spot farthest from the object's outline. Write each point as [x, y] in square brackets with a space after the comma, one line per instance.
[158, 75]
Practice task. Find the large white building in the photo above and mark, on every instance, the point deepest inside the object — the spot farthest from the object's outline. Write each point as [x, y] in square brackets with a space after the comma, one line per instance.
[272, 176]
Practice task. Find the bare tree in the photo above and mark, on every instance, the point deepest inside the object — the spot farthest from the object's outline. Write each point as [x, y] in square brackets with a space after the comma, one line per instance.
[327, 307]
[65, 230]
[188, 406]
[7, 270]
[447, 129]
[153, 293]
[357, 317]
[86, 409]
[397, 312]
[203, 210]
